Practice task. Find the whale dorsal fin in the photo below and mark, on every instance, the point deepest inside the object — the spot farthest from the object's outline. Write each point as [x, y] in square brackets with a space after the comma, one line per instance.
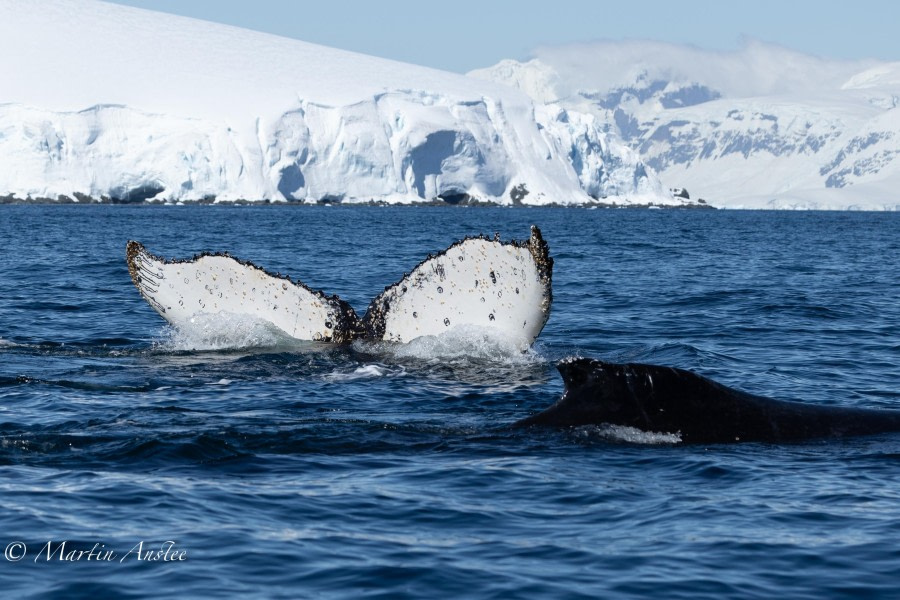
[505, 286]
[218, 283]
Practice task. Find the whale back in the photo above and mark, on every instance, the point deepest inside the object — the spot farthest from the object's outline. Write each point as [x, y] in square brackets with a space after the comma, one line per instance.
[675, 401]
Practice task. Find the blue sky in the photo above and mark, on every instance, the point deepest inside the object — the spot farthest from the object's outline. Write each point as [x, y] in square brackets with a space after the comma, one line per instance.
[460, 35]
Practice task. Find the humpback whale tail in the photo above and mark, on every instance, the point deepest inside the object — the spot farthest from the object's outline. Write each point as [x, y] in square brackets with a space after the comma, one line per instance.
[478, 281]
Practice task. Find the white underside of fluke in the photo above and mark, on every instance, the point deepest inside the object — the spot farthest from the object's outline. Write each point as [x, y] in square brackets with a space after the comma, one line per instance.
[478, 282]
[500, 287]
[217, 284]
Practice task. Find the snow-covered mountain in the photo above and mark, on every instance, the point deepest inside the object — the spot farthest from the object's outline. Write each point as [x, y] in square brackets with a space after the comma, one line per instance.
[103, 100]
[763, 127]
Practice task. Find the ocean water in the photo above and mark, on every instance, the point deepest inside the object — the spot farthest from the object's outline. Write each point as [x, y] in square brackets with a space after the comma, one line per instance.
[278, 469]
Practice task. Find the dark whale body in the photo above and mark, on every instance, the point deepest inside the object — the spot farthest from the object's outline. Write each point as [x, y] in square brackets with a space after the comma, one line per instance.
[670, 400]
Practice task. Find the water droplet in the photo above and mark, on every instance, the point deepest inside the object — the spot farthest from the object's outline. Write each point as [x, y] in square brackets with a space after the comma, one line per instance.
[440, 290]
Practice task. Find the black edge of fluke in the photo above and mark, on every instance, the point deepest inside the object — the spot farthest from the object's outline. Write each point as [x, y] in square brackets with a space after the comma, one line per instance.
[140, 273]
[540, 251]
[347, 326]
[373, 322]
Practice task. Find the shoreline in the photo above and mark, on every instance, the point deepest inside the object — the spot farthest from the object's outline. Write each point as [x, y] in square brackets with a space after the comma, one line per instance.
[83, 200]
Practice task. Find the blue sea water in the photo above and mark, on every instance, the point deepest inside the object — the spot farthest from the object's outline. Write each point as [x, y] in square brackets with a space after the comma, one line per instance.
[289, 470]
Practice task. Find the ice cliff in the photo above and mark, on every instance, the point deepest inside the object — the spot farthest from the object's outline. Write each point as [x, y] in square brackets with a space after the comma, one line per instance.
[761, 127]
[106, 101]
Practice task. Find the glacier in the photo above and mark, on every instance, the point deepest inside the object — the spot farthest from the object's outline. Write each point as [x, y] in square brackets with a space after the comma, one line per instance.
[102, 101]
[760, 127]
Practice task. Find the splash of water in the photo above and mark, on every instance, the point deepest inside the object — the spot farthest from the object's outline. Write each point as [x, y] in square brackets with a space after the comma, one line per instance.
[226, 331]
[630, 435]
[472, 353]
[461, 344]
[371, 371]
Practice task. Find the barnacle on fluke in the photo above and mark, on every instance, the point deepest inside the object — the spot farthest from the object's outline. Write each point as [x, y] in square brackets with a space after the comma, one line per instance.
[463, 285]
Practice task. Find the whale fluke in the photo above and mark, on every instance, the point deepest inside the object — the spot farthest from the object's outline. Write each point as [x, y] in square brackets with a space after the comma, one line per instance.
[503, 286]
[674, 401]
[218, 283]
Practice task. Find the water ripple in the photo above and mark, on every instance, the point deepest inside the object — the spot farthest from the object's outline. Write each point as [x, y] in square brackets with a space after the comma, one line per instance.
[300, 470]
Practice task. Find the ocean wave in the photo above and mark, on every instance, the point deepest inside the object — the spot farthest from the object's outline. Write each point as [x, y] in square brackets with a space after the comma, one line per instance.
[370, 371]
[630, 435]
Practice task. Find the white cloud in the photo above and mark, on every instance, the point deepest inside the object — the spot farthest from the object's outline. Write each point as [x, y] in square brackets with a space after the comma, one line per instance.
[757, 69]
